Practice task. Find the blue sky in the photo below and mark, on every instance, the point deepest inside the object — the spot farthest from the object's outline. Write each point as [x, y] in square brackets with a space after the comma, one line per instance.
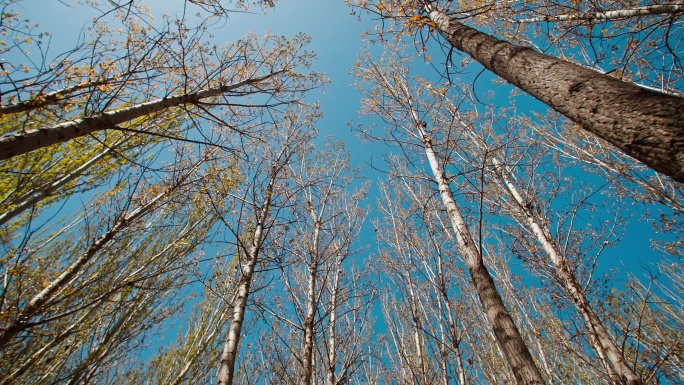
[336, 39]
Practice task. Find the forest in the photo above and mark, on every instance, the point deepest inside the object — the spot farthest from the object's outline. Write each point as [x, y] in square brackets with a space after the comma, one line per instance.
[498, 197]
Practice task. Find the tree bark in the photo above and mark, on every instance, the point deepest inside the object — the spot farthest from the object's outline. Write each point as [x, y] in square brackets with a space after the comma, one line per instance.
[309, 323]
[26, 141]
[644, 124]
[330, 378]
[619, 14]
[309, 317]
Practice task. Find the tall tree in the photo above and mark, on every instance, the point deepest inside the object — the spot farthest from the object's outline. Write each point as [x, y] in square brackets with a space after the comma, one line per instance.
[523, 207]
[103, 280]
[399, 99]
[264, 197]
[152, 69]
[644, 124]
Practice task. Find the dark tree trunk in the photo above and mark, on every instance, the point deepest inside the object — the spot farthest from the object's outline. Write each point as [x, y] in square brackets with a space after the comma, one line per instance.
[646, 125]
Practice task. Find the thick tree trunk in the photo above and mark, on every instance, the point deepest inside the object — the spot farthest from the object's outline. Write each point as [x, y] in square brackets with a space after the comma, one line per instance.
[507, 335]
[646, 125]
[604, 343]
[26, 141]
[619, 14]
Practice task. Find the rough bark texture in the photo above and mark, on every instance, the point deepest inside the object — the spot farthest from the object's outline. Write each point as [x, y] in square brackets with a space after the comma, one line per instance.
[646, 125]
[649, 10]
[26, 141]
[507, 335]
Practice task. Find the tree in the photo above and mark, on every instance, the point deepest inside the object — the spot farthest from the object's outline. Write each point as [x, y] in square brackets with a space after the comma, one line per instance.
[524, 209]
[329, 296]
[619, 38]
[107, 278]
[644, 124]
[265, 196]
[393, 88]
[315, 312]
[168, 69]
[432, 347]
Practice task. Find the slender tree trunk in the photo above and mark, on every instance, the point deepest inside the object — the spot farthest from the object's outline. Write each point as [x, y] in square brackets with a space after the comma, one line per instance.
[332, 342]
[418, 353]
[507, 335]
[453, 331]
[83, 372]
[605, 345]
[455, 340]
[26, 141]
[309, 323]
[648, 10]
[646, 125]
[311, 301]
[229, 353]
[38, 356]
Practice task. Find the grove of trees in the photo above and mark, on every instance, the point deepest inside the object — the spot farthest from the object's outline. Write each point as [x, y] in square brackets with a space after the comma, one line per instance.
[170, 214]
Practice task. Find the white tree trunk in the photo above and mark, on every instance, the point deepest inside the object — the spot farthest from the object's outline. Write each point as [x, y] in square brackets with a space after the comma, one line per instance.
[507, 334]
[605, 345]
[229, 353]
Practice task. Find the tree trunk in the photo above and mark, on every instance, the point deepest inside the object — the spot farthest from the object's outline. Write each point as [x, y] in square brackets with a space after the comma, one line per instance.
[646, 125]
[507, 334]
[309, 323]
[649, 10]
[332, 340]
[26, 141]
[605, 344]
[226, 371]
[230, 348]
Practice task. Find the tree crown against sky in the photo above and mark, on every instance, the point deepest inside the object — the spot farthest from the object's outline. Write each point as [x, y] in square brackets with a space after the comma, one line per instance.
[163, 179]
